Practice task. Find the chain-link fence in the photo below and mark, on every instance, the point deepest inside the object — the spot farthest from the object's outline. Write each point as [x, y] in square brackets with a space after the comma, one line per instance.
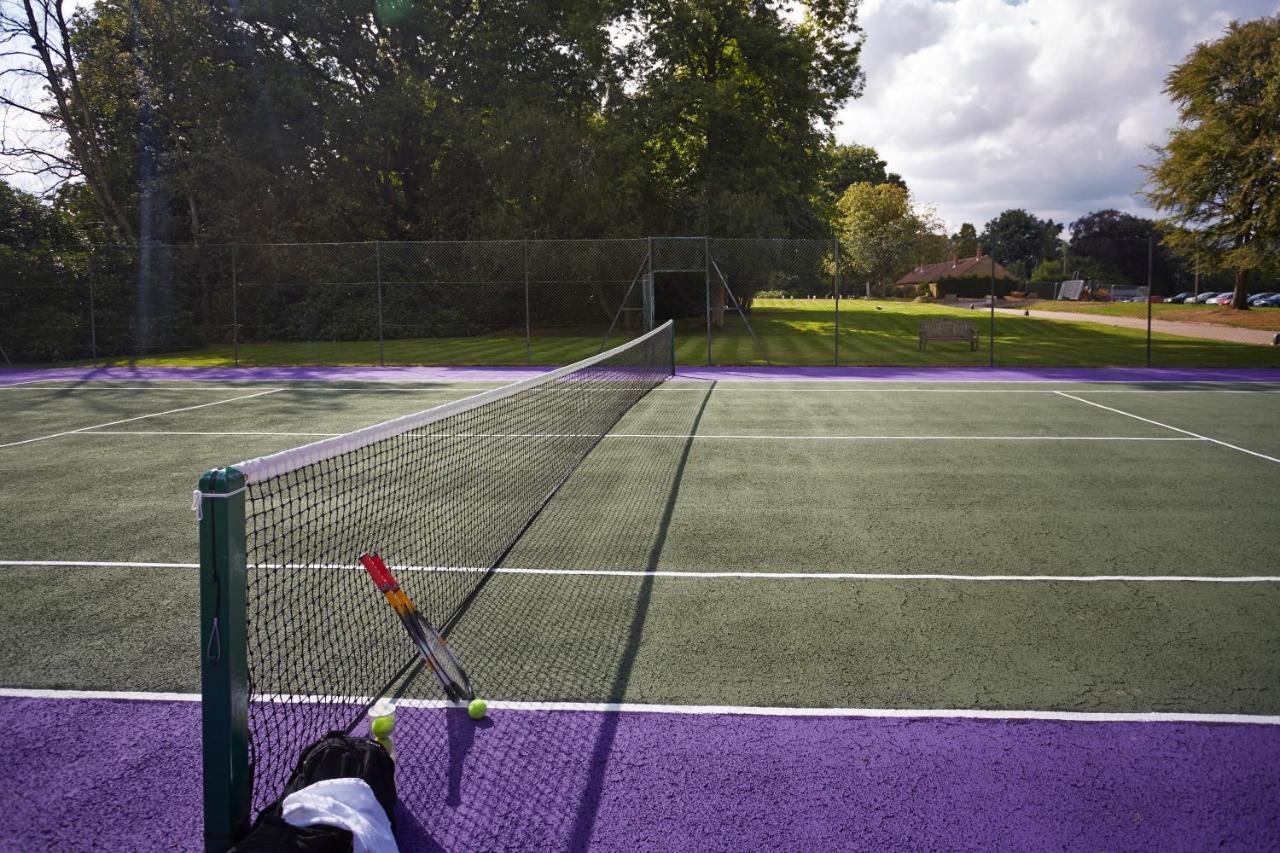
[735, 301]
[480, 302]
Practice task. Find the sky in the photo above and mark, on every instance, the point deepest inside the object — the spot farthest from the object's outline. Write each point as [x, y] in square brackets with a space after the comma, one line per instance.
[1046, 105]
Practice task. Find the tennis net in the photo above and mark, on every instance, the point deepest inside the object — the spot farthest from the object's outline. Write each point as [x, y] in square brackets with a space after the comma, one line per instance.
[296, 642]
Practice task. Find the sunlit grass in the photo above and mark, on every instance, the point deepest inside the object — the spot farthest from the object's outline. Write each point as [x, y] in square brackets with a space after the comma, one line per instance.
[790, 331]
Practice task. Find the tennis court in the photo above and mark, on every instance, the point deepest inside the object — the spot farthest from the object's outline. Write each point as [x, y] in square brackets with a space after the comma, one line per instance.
[771, 608]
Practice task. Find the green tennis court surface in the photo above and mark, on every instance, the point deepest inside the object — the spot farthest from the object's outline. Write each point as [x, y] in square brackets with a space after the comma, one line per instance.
[1011, 547]
[775, 480]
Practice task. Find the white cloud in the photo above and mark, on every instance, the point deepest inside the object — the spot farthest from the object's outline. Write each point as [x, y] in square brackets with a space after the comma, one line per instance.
[1049, 105]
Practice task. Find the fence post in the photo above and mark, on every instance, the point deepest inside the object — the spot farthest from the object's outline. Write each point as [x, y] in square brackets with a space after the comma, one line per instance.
[1150, 251]
[377, 259]
[650, 319]
[93, 324]
[235, 307]
[706, 261]
[835, 245]
[991, 344]
[528, 334]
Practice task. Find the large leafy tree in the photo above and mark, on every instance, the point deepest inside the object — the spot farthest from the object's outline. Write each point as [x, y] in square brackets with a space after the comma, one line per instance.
[856, 164]
[1217, 179]
[62, 137]
[343, 119]
[732, 106]
[1116, 243]
[882, 234]
[1020, 240]
[42, 306]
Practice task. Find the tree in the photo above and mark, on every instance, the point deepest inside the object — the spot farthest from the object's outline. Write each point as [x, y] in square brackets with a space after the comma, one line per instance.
[1021, 240]
[1117, 243]
[332, 120]
[856, 164]
[41, 62]
[1216, 178]
[733, 102]
[880, 233]
[42, 298]
[965, 241]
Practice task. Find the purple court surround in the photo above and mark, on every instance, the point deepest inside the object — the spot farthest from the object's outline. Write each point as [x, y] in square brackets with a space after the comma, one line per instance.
[125, 775]
[510, 374]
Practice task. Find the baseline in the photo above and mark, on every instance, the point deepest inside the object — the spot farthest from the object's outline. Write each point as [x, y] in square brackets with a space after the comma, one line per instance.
[704, 710]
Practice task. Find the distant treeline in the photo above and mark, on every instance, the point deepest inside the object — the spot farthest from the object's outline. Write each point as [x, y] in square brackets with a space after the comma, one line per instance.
[188, 121]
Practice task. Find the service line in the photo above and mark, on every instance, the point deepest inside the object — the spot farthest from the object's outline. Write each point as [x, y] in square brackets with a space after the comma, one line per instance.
[1167, 426]
[138, 418]
[694, 575]
[672, 436]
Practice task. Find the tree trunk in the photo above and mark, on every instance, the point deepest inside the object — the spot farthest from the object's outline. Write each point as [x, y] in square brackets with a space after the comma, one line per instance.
[1240, 299]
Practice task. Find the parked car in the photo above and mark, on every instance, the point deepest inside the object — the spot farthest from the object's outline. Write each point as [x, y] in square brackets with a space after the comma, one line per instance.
[1202, 298]
[1259, 297]
[1221, 299]
[1269, 302]
[1179, 298]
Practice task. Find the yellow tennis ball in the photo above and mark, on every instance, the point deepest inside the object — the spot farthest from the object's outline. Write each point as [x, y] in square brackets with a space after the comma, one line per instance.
[477, 709]
[382, 726]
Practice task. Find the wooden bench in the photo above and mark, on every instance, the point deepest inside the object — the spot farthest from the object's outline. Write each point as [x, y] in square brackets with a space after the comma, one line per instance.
[948, 330]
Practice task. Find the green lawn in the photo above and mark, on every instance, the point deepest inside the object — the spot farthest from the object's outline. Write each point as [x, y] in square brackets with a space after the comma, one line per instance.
[792, 332]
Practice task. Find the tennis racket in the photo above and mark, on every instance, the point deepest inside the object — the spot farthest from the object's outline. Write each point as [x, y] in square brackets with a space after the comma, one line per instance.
[435, 651]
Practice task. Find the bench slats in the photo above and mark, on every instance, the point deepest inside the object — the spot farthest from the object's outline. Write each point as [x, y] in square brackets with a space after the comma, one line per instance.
[945, 329]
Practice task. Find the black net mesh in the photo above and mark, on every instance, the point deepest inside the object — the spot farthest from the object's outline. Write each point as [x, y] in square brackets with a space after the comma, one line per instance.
[442, 502]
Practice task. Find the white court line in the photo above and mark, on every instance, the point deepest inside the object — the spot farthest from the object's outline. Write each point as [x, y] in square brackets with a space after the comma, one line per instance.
[701, 436]
[760, 380]
[296, 434]
[28, 382]
[681, 437]
[693, 575]
[138, 418]
[1167, 426]
[690, 710]
[870, 389]
[211, 386]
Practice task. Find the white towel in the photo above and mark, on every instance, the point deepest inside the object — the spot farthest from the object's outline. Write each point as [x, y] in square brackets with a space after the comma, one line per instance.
[346, 803]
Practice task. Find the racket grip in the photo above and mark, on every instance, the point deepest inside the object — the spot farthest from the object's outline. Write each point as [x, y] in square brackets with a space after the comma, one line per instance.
[377, 571]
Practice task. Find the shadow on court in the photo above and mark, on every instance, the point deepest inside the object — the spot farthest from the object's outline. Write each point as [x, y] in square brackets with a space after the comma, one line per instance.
[545, 637]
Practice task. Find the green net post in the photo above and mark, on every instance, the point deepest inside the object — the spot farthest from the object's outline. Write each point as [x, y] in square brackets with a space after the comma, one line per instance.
[224, 682]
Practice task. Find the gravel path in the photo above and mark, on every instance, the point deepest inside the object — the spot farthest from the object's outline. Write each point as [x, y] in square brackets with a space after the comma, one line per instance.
[1168, 327]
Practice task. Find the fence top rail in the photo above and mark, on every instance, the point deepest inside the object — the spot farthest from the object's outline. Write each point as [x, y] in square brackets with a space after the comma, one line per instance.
[505, 241]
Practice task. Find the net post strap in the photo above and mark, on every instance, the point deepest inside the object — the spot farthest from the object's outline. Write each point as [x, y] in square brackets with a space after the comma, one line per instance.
[198, 497]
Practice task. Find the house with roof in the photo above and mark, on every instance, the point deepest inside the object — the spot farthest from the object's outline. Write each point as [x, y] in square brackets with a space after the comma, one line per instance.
[936, 275]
